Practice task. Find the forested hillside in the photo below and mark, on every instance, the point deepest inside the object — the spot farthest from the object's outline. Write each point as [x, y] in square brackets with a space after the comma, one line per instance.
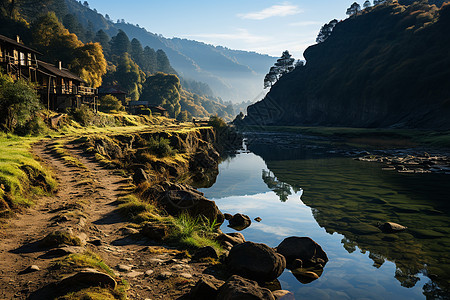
[101, 60]
[386, 66]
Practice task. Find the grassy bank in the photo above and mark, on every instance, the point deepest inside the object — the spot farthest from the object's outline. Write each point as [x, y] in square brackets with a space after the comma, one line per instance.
[21, 174]
[368, 136]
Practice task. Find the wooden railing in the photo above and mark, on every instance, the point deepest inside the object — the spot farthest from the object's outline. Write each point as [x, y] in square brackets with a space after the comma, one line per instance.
[86, 91]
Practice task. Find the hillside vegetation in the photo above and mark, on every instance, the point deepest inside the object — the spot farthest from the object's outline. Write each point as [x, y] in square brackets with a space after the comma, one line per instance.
[387, 66]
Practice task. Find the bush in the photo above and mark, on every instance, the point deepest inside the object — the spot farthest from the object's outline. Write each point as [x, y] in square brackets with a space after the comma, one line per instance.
[19, 102]
[109, 103]
[217, 122]
[161, 147]
[83, 115]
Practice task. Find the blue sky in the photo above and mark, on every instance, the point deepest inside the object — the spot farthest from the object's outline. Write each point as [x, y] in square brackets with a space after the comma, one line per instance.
[268, 27]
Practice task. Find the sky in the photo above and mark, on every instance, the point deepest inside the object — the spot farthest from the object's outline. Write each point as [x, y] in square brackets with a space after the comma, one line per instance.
[267, 27]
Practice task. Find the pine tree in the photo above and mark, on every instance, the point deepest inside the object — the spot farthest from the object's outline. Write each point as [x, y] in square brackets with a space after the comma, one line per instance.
[103, 39]
[354, 9]
[326, 31]
[120, 44]
[285, 63]
[367, 4]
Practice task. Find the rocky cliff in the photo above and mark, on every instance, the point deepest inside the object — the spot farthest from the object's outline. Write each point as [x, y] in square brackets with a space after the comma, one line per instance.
[388, 66]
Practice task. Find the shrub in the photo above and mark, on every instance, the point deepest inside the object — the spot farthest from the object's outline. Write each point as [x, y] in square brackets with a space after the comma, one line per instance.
[19, 102]
[217, 122]
[83, 115]
[161, 147]
[109, 103]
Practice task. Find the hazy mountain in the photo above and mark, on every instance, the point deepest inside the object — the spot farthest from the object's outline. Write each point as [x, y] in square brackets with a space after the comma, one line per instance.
[388, 66]
[233, 75]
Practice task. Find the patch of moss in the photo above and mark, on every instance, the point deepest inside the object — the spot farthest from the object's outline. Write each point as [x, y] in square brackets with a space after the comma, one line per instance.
[56, 238]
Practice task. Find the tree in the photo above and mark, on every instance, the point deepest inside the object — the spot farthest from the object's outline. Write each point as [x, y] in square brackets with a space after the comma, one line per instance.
[285, 63]
[71, 23]
[86, 4]
[107, 17]
[367, 4]
[19, 102]
[376, 2]
[271, 77]
[326, 31]
[103, 39]
[150, 64]
[163, 89]
[354, 9]
[137, 53]
[89, 63]
[163, 64]
[129, 76]
[120, 44]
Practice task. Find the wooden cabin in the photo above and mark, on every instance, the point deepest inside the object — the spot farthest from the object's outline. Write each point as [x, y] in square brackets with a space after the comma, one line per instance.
[17, 59]
[60, 89]
[142, 108]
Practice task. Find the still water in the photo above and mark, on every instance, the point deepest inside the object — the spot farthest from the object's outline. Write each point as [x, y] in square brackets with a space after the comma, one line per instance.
[304, 190]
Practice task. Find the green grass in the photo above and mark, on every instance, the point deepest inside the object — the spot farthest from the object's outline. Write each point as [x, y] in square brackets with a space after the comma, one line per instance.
[92, 260]
[57, 238]
[21, 175]
[138, 211]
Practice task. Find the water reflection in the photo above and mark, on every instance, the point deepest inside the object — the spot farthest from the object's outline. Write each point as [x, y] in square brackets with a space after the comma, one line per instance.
[345, 200]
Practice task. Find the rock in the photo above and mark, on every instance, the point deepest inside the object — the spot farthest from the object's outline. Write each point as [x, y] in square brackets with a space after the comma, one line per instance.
[232, 238]
[303, 248]
[149, 272]
[390, 227]
[185, 275]
[258, 219]
[205, 252]
[88, 277]
[155, 232]
[227, 245]
[30, 269]
[129, 231]
[140, 176]
[124, 268]
[228, 216]
[239, 222]
[176, 198]
[256, 261]
[283, 295]
[164, 275]
[63, 251]
[134, 274]
[237, 287]
[206, 288]
[304, 276]
[60, 237]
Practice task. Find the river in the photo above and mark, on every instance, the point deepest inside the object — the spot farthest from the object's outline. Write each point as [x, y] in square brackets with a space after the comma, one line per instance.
[301, 187]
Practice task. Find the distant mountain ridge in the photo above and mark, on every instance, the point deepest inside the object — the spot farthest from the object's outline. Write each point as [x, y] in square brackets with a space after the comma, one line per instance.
[232, 74]
[388, 66]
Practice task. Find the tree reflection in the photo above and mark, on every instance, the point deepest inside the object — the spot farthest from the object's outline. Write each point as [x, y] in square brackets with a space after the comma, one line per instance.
[281, 189]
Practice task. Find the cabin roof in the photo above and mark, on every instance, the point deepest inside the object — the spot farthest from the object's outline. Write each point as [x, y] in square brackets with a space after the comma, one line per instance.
[19, 45]
[51, 69]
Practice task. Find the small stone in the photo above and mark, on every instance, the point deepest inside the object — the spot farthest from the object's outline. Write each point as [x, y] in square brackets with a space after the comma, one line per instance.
[186, 275]
[205, 252]
[124, 268]
[30, 269]
[258, 219]
[129, 231]
[155, 261]
[283, 295]
[149, 272]
[134, 274]
[164, 275]
[228, 216]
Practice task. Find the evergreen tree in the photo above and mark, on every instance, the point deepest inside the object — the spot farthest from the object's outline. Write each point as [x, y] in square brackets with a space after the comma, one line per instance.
[163, 89]
[103, 39]
[285, 63]
[149, 57]
[163, 63]
[71, 23]
[137, 53]
[367, 4]
[129, 76]
[120, 44]
[354, 9]
[326, 31]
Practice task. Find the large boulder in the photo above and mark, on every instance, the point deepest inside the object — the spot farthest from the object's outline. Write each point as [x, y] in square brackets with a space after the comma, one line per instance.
[238, 288]
[240, 222]
[256, 261]
[140, 176]
[206, 288]
[302, 248]
[176, 198]
[156, 232]
[232, 238]
[88, 277]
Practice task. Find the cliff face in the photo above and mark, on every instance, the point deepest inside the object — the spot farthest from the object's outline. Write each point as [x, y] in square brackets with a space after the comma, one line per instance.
[387, 67]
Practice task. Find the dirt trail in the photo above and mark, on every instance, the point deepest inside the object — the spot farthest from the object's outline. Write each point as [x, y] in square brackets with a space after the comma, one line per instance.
[98, 189]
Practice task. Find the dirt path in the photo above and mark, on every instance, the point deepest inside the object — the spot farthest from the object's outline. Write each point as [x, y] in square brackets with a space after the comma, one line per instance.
[152, 271]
